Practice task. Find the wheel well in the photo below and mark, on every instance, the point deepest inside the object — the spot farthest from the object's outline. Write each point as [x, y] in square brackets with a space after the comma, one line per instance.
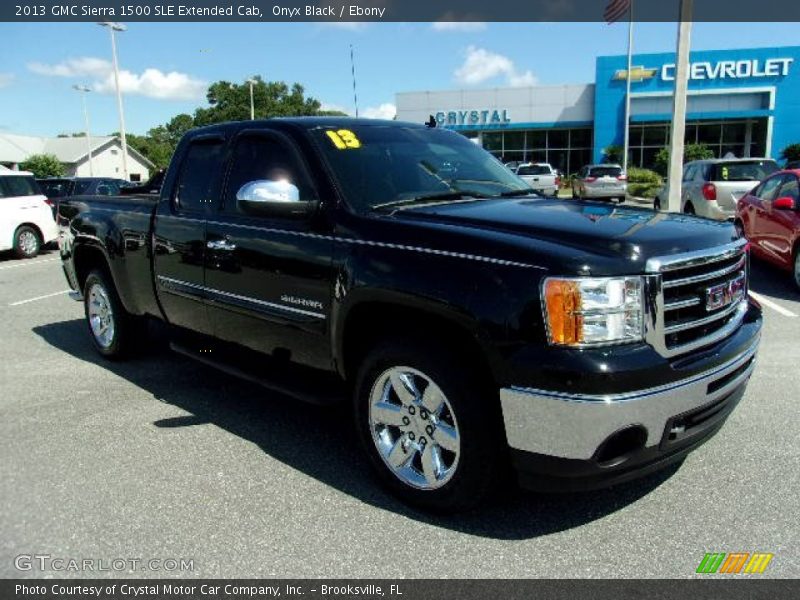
[32, 226]
[370, 322]
[88, 258]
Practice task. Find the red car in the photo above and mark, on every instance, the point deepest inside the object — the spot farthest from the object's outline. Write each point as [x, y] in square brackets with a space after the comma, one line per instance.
[769, 216]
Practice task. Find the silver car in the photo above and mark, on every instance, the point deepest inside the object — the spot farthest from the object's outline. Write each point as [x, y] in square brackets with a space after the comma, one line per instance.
[600, 181]
[711, 188]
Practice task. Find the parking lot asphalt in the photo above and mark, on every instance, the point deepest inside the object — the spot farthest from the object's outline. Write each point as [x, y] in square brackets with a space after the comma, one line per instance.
[160, 457]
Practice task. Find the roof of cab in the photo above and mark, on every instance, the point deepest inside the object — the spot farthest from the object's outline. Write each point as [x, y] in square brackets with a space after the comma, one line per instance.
[306, 123]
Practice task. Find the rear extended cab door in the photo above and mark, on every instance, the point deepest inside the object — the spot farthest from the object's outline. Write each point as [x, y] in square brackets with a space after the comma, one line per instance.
[269, 277]
[179, 232]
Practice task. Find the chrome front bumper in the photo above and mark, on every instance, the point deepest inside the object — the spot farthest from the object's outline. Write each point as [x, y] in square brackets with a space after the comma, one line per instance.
[575, 425]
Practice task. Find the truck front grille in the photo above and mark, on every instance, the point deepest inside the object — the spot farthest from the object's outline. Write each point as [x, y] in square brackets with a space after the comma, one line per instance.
[699, 298]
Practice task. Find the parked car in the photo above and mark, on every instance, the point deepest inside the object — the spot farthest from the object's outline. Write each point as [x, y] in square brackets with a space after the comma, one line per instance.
[541, 177]
[606, 182]
[476, 325]
[26, 220]
[769, 217]
[711, 188]
[151, 186]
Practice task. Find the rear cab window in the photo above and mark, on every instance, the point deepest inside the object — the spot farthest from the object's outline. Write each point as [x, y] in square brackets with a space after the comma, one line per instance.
[14, 186]
[741, 170]
[199, 174]
[534, 170]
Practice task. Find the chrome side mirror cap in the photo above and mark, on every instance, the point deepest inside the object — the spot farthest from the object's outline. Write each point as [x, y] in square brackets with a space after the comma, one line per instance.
[273, 198]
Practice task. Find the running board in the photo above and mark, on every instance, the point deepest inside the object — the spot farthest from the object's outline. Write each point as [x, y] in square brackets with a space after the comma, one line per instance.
[316, 388]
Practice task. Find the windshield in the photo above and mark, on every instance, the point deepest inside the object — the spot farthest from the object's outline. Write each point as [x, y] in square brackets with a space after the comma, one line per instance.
[379, 165]
[534, 170]
[754, 170]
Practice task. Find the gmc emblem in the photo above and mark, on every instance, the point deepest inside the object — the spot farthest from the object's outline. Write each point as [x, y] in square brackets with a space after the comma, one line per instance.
[723, 294]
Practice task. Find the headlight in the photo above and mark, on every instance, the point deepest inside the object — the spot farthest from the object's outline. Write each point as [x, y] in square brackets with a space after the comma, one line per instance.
[593, 311]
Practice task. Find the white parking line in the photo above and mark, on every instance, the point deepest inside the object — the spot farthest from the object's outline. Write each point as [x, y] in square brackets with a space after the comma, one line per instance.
[39, 298]
[774, 306]
[29, 263]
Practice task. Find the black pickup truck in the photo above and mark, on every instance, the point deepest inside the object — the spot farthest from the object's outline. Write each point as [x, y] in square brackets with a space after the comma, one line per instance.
[477, 326]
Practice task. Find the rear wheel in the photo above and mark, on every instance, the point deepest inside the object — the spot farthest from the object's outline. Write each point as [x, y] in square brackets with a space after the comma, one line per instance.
[26, 242]
[431, 428]
[111, 327]
[796, 269]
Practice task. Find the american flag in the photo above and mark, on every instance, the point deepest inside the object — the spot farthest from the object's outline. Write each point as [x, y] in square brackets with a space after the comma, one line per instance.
[615, 9]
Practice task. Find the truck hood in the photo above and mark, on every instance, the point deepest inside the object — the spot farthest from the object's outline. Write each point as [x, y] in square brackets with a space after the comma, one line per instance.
[589, 227]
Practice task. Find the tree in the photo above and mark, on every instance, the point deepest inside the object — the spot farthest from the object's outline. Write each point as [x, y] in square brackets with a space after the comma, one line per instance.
[690, 152]
[231, 102]
[791, 153]
[613, 154]
[43, 165]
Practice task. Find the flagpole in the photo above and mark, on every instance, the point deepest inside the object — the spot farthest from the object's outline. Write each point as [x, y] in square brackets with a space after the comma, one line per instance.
[628, 91]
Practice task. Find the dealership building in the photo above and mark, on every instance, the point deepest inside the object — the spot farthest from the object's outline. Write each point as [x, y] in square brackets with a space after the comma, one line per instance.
[745, 102]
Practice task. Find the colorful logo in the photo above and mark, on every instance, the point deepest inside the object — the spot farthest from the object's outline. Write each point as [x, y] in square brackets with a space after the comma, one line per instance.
[637, 74]
[734, 562]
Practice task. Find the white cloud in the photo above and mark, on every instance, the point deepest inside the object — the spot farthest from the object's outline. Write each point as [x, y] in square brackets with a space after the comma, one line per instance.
[152, 83]
[387, 110]
[461, 26]
[6, 79]
[337, 107]
[481, 64]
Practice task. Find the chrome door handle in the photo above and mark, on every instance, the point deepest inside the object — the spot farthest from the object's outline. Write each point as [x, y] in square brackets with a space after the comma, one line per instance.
[220, 245]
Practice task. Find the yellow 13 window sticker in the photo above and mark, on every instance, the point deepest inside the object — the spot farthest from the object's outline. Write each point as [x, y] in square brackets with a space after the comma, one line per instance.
[344, 139]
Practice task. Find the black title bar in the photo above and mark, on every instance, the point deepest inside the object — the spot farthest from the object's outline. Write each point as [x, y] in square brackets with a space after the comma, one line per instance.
[386, 10]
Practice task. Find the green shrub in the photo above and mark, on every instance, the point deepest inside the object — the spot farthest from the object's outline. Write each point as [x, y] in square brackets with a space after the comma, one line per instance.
[643, 190]
[637, 175]
[43, 165]
[613, 154]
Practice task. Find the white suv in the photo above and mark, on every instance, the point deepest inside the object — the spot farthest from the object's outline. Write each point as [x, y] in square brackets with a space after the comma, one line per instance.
[26, 220]
[711, 188]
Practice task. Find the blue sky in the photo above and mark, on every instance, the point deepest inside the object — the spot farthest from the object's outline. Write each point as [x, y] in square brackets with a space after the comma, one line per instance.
[166, 65]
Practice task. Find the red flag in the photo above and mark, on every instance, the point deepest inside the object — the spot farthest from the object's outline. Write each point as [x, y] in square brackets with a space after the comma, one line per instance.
[615, 9]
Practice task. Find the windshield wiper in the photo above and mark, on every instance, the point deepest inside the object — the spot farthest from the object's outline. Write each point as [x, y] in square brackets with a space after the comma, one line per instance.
[449, 195]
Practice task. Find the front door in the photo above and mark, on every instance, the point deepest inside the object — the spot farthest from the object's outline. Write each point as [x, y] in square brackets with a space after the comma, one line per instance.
[180, 235]
[269, 277]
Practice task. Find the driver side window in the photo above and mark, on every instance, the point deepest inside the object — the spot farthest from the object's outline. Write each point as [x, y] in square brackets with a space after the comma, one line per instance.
[264, 157]
[769, 188]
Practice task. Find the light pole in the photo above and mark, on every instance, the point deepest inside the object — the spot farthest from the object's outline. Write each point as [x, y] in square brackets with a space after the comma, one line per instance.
[113, 27]
[83, 90]
[251, 81]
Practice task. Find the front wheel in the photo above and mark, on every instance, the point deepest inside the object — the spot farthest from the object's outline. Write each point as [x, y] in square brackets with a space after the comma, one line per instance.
[111, 327]
[26, 242]
[431, 428]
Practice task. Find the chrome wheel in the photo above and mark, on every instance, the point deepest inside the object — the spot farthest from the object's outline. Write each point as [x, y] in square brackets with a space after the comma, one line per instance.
[100, 315]
[28, 242]
[414, 428]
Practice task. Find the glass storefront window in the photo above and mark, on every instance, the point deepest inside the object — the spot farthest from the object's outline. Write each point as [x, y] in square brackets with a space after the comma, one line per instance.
[709, 135]
[654, 135]
[558, 138]
[537, 139]
[514, 140]
[580, 138]
[493, 141]
[734, 133]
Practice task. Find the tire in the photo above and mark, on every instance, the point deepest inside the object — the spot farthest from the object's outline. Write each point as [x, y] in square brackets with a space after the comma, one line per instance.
[111, 327]
[796, 269]
[621, 200]
[27, 242]
[657, 203]
[688, 209]
[575, 195]
[448, 459]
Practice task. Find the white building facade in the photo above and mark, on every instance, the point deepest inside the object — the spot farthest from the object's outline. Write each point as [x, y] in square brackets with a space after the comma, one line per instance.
[73, 153]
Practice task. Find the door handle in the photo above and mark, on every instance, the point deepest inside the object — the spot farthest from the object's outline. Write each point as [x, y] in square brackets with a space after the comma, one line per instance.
[220, 245]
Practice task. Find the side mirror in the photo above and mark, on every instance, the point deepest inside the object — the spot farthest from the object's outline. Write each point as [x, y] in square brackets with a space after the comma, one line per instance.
[784, 203]
[276, 198]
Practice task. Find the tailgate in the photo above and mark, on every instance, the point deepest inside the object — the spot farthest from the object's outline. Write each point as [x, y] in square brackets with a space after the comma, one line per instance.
[729, 192]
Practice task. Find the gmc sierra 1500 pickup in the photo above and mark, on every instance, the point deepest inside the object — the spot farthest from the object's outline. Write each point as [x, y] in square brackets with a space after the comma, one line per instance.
[477, 325]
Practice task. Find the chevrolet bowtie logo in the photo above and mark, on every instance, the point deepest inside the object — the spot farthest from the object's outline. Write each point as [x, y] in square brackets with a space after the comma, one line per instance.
[637, 74]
